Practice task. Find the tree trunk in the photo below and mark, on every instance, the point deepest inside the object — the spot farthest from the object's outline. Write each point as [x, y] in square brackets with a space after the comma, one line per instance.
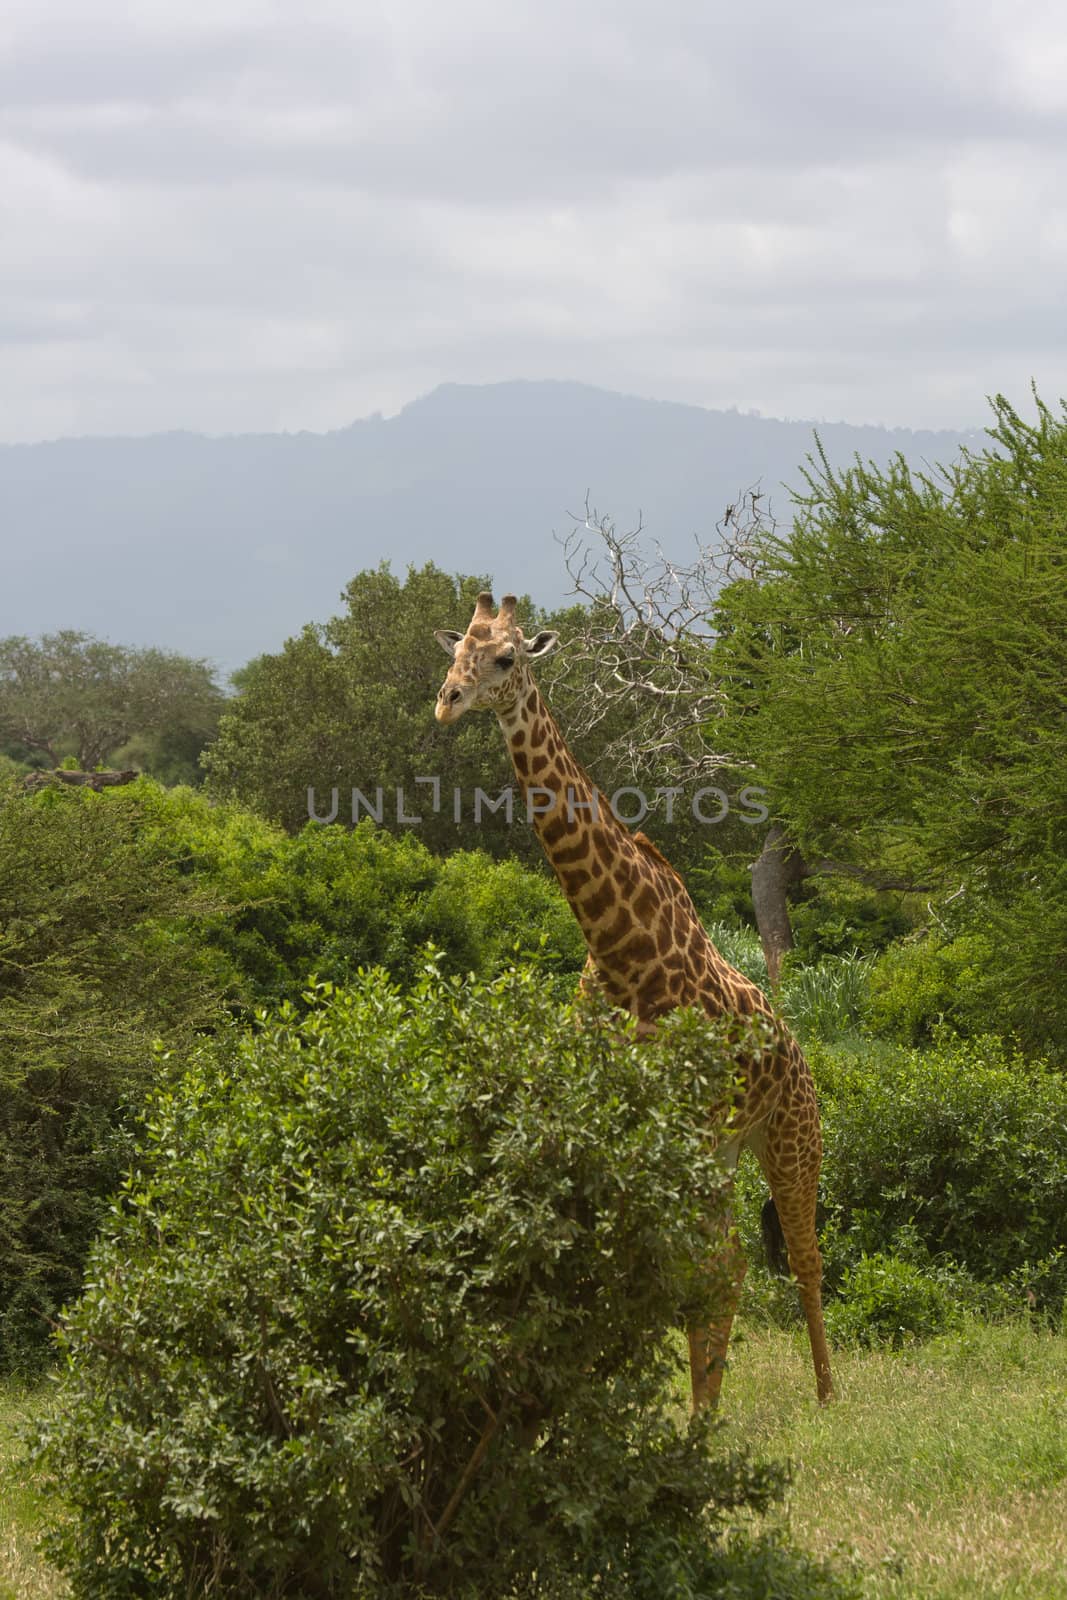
[779, 868]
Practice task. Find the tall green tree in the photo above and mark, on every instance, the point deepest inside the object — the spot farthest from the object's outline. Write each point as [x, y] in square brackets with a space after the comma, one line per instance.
[349, 705]
[99, 958]
[70, 694]
[897, 674]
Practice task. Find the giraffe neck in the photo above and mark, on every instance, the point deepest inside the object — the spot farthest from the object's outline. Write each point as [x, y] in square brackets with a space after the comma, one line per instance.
[570, 816]
[638, 920]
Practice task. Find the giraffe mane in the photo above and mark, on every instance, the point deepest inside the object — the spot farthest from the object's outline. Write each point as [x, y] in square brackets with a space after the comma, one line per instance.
[643, 842]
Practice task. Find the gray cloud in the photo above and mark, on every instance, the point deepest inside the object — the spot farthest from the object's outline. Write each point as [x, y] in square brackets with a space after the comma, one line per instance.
[256, 215]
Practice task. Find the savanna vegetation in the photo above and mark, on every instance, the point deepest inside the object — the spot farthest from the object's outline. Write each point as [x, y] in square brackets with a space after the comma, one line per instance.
[375, 1244]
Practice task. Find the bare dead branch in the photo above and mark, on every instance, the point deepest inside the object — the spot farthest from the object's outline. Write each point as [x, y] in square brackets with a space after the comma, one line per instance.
[639, 672]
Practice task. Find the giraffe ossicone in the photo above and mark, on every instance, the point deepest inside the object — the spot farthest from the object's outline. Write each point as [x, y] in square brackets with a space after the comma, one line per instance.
[649, 952]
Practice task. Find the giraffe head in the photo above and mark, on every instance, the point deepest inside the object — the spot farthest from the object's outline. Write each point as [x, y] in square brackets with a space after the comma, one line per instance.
[489, 668]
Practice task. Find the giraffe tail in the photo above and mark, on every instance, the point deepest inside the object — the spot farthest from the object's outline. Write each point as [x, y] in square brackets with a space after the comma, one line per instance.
[774, 1246]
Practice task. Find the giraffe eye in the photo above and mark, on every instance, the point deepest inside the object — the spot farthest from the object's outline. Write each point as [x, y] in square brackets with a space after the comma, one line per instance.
[504, 662]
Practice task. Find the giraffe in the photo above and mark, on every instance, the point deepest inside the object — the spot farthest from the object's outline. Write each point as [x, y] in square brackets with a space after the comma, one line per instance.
[649, 953]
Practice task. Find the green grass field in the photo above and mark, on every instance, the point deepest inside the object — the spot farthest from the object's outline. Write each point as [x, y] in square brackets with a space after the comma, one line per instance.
[940, 1472]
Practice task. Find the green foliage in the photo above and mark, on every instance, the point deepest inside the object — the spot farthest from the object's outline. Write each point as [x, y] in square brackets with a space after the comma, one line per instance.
[838, 917]
[330, 900]
[721, 886]
[920, 985]
[68, 692]
[885, 1299]
[97, 961]
[944, 1189]
[958, 1153]
[134, 915]
[742, 949]
[897, 676]
[172, 755]
[508, 913]
[755, 1569]
[367, 1250]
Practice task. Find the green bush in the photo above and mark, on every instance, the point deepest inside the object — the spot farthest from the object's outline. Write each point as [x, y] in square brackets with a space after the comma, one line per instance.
[329, 900]
[959, 1152]
[10, 767]
[507, 914]
[739, 1569]
[383, 1312]
[947, 1166]
[141, 914]
[885, 1299]
[836, 916]
[720, 883]
[98, 960]
[922, 984]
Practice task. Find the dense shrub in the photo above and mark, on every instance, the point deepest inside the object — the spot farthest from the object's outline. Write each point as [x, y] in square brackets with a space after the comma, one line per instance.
[742, 949]
[370, 1248]
[757, 1569]
[885, 1299]
[720, 883]
[836, 916]
[949, 1165]
[98, 959]
[329, 900]
[141, 914]
[958, 1152]
[922, 984]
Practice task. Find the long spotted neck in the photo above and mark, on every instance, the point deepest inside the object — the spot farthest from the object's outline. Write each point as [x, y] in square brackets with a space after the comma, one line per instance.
[605, 871]
[555, 787]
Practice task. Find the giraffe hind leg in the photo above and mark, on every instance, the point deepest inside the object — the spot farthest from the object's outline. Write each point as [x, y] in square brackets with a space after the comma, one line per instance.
[794, 1198]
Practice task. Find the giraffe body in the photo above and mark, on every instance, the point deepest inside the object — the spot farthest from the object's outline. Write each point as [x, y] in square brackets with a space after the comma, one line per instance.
[648, 951]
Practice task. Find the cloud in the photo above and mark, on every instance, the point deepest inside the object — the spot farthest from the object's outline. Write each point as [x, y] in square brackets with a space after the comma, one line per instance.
[255, 215]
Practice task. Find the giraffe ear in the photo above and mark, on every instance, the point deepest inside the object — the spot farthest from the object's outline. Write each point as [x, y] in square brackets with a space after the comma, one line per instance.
[542, 644]
[448, 639]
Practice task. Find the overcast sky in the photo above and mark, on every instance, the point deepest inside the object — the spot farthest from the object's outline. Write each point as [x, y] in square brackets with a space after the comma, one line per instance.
[237, 216]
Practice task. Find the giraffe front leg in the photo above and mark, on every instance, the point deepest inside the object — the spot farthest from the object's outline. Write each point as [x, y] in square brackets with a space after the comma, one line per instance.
[708, 1345]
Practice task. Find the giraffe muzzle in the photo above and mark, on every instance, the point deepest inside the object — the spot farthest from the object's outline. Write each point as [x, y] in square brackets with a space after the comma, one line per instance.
[451, 703]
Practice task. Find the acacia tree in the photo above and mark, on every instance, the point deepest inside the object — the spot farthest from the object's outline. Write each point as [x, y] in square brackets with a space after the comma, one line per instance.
[896, 670]
[68, 693]
[348, 704]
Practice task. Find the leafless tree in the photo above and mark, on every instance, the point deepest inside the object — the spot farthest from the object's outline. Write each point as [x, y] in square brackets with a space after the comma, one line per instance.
[638, 672]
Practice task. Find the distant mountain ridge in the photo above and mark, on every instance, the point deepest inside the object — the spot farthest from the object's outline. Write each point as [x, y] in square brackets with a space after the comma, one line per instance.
[223, 547]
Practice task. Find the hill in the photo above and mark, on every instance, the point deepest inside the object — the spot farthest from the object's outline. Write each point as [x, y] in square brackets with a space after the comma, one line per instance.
[221, 547]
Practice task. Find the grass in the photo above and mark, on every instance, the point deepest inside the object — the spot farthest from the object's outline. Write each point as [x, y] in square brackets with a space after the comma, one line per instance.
[940, 1473]
[23, 1573]
[941, 1470]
